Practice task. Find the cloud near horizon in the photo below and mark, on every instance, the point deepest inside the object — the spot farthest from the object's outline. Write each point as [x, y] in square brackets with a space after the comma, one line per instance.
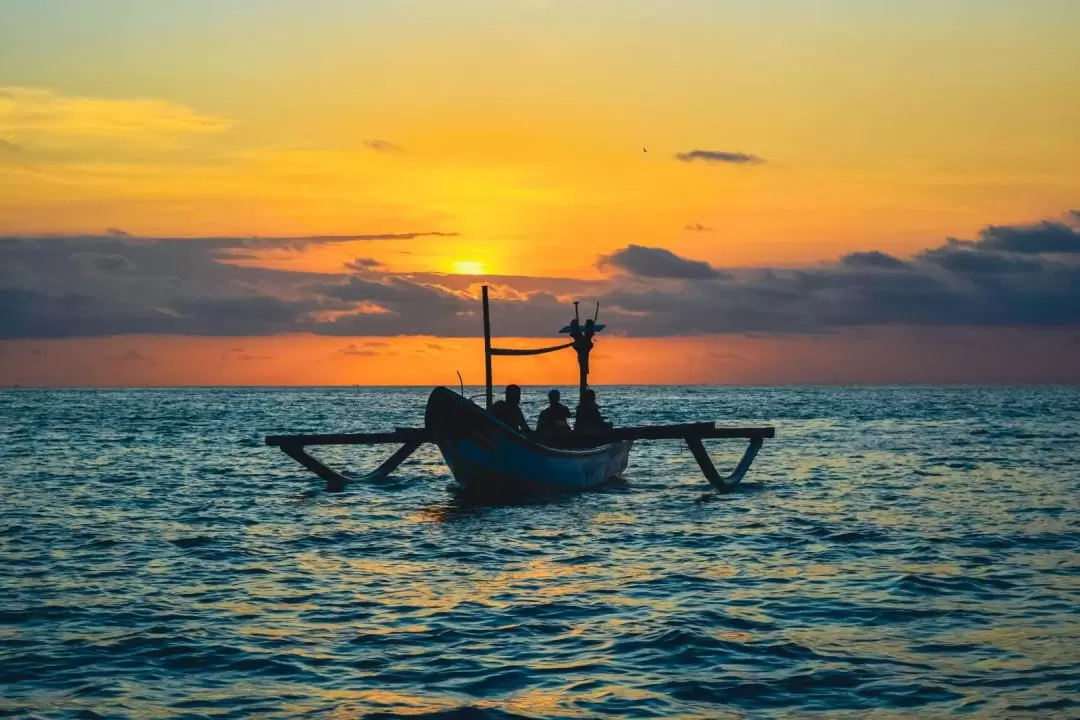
[719, 156]
[92, 286]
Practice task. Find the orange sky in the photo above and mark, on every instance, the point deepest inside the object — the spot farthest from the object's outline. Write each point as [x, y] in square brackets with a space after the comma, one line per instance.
[871, 356]
[533, 137]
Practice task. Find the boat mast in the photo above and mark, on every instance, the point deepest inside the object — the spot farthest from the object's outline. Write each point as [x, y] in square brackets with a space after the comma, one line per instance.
[487, 347]
[581, 336]
[583, 360]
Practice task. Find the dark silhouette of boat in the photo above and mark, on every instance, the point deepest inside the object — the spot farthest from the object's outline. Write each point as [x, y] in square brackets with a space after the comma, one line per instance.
[486, 455]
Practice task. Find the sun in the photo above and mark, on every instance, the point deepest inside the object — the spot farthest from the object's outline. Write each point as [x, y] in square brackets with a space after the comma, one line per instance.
[468, 267]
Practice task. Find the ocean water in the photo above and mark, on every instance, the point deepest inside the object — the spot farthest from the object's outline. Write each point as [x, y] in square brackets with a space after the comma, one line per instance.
[894, 552]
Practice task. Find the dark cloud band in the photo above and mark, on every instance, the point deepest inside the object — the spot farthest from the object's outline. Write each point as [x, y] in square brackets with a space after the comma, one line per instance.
[100, 286]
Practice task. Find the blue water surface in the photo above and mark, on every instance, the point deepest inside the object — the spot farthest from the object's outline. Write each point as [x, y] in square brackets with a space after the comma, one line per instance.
[895, 552]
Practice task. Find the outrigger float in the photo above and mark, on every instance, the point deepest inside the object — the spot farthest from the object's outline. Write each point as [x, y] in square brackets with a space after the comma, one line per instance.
[486, 455]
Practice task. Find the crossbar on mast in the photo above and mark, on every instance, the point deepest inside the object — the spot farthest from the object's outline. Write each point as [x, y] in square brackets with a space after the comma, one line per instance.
[529, 351]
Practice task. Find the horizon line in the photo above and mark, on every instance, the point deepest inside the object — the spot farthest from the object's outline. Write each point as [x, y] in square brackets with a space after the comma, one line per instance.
[895, 384]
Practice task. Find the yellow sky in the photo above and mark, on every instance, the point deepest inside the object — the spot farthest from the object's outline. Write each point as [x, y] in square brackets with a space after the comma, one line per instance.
[521, 125]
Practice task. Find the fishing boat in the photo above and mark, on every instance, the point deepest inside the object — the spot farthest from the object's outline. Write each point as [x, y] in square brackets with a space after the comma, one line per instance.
[488, 456]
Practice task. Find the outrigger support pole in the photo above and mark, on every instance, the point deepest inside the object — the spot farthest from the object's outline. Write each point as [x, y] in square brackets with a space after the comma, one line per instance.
[295, 447]
[723, 484]
[693, 434]
[335, 481]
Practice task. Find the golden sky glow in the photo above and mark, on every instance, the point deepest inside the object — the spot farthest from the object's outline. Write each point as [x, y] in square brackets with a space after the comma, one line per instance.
[871, 357]
[536, 135]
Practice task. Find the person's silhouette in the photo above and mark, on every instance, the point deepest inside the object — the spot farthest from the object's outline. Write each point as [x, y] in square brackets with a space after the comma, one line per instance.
[509, 410]
[552, 423]
[589, 417]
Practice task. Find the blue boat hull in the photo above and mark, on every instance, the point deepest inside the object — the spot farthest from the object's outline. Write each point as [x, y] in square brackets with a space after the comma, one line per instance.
[485, 455]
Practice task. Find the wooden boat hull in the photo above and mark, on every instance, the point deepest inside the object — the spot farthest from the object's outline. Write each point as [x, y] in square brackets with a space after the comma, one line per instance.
[486, 455]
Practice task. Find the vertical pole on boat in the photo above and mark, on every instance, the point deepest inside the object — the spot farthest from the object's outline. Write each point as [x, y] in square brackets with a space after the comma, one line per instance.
[487, 346]
[583, 377]
[581, 367]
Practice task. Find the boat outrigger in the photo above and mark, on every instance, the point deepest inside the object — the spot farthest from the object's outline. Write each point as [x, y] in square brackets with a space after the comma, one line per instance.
[484, 454]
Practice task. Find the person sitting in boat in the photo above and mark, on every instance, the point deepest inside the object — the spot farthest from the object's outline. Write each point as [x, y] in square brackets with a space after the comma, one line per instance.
[552, 424]
[509, 410]
[589, 417]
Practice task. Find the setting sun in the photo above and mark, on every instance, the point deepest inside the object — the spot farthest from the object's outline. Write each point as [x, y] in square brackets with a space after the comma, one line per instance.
[469, 267]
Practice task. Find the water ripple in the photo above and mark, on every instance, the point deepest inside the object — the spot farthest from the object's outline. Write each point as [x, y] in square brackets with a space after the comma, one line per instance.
[897, 552]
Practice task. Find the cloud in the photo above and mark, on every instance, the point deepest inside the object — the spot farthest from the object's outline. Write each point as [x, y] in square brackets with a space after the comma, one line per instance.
[650, 262]
[390, 290]
[719, 156]
[1043, 237]
[30, 314]
[1022, 275]
[244, 315]
[221, 245]
[26, 111]
[10, 148]
[99, 143]
[955, 284]
[363, 263]
[697, 227]
[304, 241]
[383, 146]
[19, 156]
[872, 259]
[963, 261]
[410, 306]
[103, 263]
[89, 286]
[94, 286]
[352, 349]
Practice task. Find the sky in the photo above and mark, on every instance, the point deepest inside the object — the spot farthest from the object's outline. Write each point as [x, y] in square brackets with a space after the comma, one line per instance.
[267, 192]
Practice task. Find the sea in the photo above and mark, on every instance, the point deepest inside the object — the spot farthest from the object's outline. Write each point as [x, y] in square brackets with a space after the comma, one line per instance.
[895, 552]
